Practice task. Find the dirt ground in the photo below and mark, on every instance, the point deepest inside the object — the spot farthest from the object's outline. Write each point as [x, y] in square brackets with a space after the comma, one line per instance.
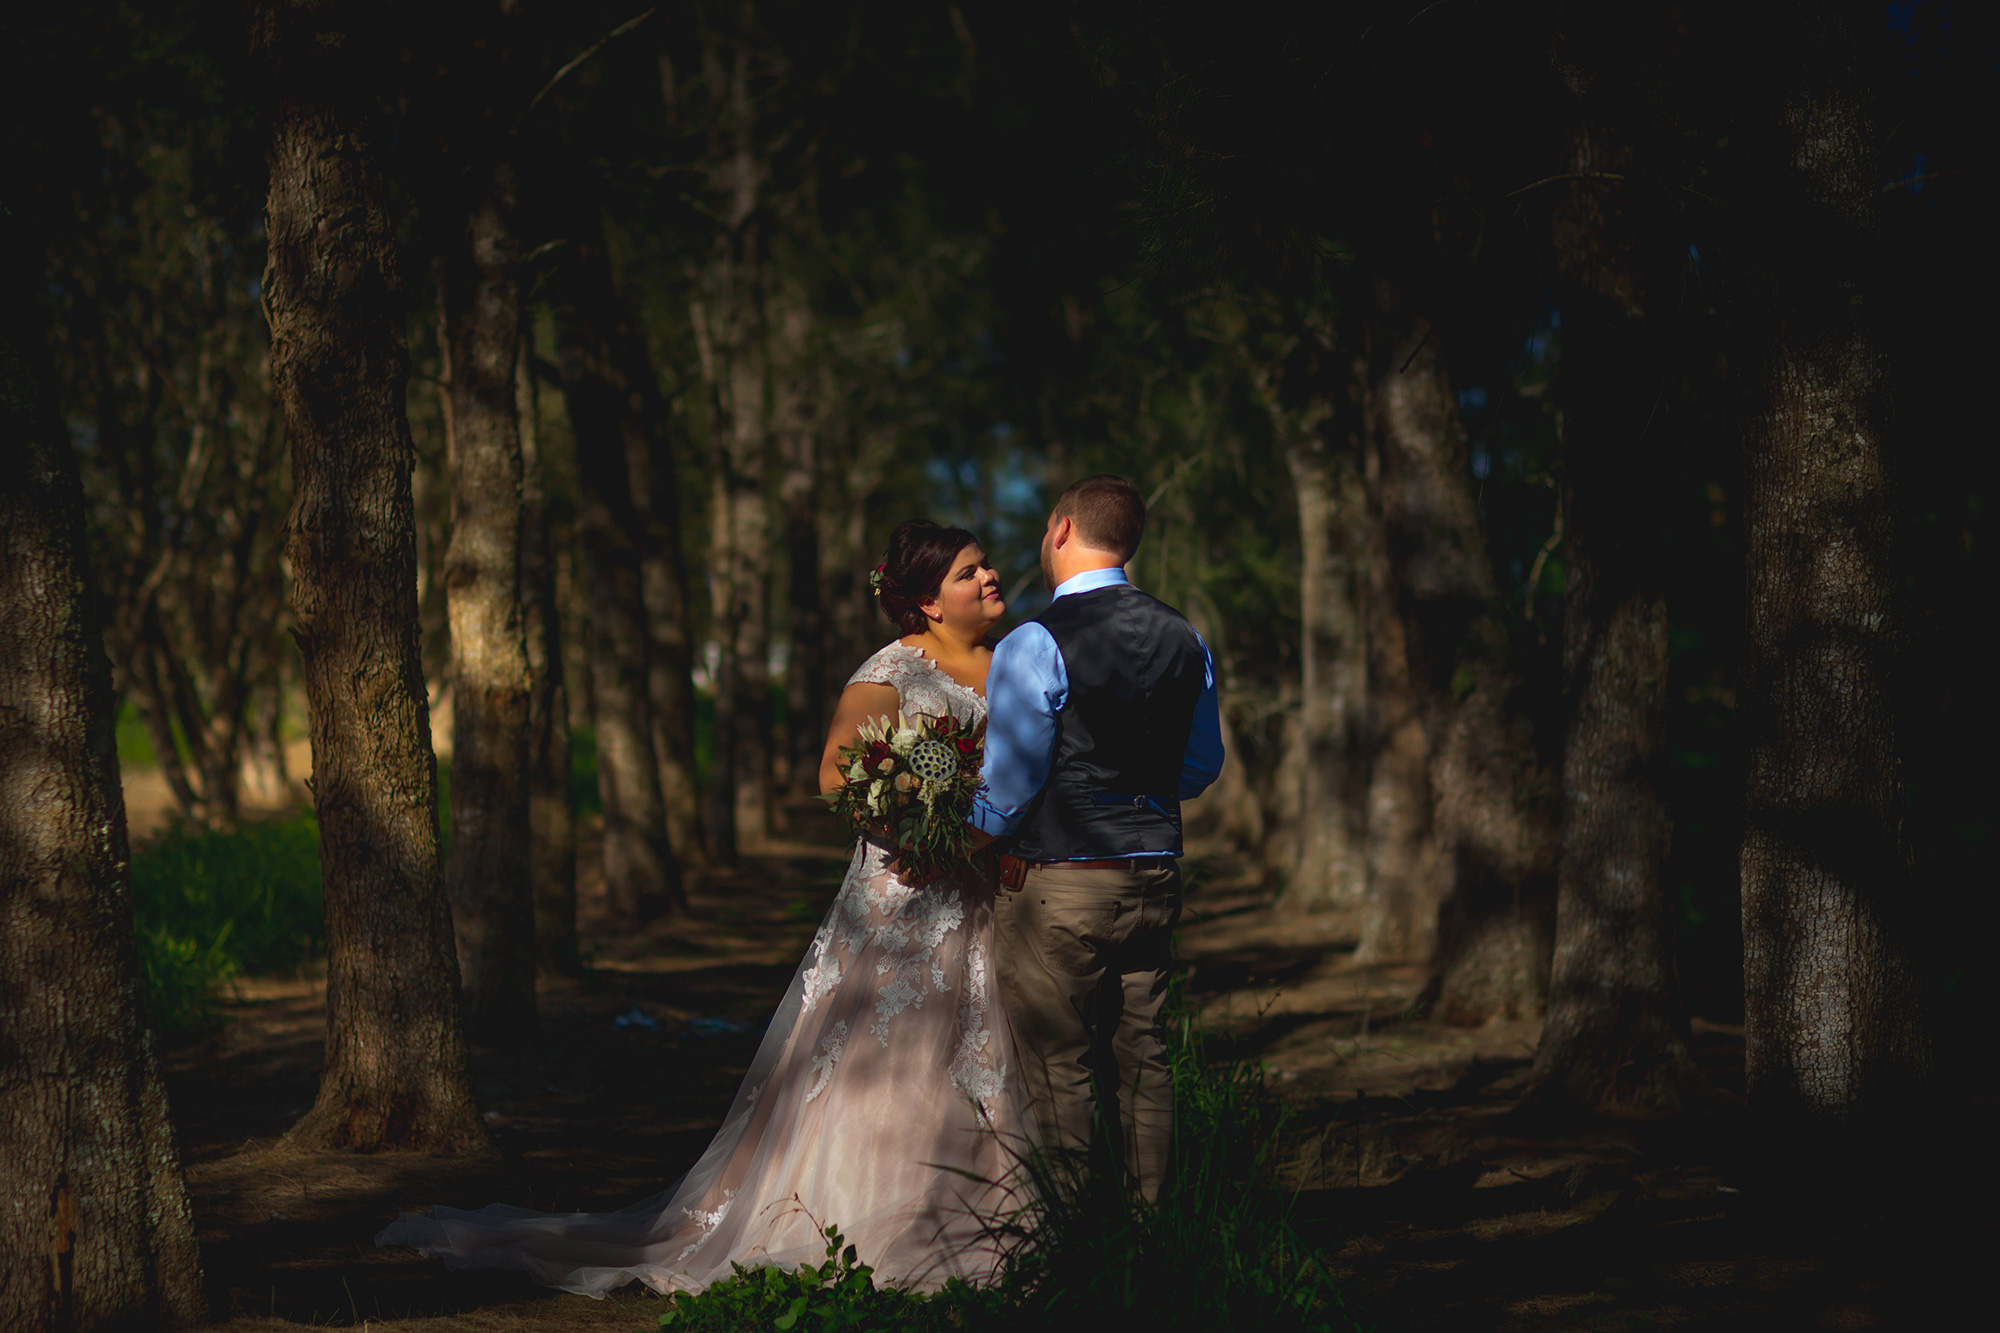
[1445, 1205]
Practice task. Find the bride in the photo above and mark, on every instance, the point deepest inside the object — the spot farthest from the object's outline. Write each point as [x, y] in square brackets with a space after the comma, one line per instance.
[883, 1098]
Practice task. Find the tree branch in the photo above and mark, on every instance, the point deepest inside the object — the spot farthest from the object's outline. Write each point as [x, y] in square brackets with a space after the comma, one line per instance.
[1566, 176]
[588, 52]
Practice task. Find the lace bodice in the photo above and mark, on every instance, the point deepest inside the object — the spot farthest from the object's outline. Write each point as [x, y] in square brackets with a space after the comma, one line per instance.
[908, 932]
[922, 686]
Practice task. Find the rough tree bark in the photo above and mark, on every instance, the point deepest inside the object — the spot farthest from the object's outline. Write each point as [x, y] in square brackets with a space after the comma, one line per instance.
[551, 797]
[1493, 800]
[1835, 1024]
[642, 875]
[1407, 872]
[395, 1072]
[487, 870]
[1333, 667]
[97, 1232]
[1613, 1037]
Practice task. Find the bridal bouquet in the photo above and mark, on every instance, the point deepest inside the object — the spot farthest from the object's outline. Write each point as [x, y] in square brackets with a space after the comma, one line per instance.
[914, 777]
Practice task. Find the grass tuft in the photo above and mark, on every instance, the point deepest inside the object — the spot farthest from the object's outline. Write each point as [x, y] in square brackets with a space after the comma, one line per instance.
[210, 906]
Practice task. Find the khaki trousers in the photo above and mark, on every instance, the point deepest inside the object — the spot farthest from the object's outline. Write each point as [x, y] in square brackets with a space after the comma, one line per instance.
[1083, 957]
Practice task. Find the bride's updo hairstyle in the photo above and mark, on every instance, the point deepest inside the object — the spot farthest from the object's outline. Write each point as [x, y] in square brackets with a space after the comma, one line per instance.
[919, 556]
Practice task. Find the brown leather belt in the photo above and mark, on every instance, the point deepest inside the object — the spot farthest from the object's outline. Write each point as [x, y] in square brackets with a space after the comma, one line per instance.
[1014, 871]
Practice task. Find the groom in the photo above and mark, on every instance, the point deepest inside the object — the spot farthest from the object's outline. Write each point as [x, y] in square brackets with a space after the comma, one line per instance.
[1101, 719]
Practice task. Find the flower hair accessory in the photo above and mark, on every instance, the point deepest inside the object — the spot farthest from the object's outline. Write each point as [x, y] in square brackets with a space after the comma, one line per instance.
[876, 577]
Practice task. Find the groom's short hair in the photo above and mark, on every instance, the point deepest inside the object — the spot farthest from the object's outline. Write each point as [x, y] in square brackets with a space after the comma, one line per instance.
[1108, 511]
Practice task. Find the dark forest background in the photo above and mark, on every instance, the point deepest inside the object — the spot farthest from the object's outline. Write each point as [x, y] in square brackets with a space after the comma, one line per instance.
[1528, 396]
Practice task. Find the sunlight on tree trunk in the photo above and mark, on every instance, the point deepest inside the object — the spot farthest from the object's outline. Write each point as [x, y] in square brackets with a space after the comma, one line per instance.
[395, 1072]
[487, 871]
[1407, 873]
[1333, 678]
[97, 1233]
[1834, 1019]
[1493, 800]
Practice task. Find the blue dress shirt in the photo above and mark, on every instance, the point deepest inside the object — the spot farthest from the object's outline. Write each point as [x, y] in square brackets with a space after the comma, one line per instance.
[1027, 686]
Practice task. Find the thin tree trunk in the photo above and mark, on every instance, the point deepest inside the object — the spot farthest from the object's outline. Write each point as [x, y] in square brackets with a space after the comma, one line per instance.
[395, 1071]
[797, 421]
[642, 876]
[1835, 1024]
[551, 797]
[1331, 870]
[1407, 874]
[663, 574]
[1613, 1036]
[851, 623]
[97, 1232]
[1492, 797]
[732, 334]
[487, 872]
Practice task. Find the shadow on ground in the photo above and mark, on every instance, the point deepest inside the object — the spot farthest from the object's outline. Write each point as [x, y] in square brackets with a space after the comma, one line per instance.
[1443, 1203]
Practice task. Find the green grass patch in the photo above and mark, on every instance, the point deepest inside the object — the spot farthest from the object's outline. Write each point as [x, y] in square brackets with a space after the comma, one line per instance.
[135, 747]
[1217, 1252]
[210, 906]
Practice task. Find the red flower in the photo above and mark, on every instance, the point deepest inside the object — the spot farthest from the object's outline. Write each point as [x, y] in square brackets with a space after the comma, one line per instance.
[966, 745]
[877, 753]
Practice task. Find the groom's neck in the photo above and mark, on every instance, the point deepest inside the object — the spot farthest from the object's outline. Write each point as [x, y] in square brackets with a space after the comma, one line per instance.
[1085, 559]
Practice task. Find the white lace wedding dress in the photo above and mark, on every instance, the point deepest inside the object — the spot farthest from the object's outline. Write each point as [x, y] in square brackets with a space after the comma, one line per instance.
[882, 1100]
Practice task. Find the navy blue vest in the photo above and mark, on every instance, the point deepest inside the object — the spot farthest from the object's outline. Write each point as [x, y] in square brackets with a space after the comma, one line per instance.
[1135, 670]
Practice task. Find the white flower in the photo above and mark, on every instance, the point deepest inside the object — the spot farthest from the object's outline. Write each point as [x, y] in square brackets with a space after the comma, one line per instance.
[857, 771]
[905, 781]
[905, 740]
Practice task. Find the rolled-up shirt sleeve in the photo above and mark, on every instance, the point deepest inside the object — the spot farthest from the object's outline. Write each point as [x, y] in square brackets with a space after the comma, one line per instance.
[1202, 764]
[1026, 687]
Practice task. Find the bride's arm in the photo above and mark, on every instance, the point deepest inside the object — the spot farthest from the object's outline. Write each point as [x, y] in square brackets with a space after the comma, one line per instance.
[858, 702]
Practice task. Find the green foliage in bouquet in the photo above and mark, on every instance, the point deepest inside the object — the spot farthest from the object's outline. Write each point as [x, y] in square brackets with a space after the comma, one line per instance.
[912, 777]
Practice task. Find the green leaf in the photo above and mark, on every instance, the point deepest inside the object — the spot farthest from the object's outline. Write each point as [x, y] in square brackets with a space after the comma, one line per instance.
[791, 1316]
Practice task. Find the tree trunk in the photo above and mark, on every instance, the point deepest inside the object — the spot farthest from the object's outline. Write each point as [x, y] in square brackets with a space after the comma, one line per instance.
[1613, 1036]
[1331, 869]
[731, 333]
[1407, 875]
[797, 422]
[97, 1233]
[851, 622]
[1835, 1025]
[551, 797]
[395, 1072]
[642, 876]
[1493, 802]
[487, 872]
[663, 574]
